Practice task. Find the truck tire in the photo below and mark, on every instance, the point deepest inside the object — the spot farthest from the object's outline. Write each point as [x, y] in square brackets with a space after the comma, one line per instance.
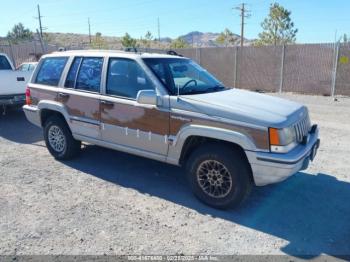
[219, 176]
[59, 140]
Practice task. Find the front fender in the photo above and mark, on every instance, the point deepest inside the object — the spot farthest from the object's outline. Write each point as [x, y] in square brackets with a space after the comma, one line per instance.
[175, 149]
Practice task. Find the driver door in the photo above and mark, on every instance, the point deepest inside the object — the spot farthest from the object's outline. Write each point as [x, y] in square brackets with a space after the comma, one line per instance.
[124, 121]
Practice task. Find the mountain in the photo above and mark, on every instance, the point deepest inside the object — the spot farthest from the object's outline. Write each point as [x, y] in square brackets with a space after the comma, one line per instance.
[200, 39]
[76, 41]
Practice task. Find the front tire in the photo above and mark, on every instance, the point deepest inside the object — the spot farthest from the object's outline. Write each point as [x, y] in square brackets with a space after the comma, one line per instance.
[219, 175]
[59, 140]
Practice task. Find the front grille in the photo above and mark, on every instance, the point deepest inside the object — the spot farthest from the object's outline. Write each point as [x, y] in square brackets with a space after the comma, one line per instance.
[302, 128]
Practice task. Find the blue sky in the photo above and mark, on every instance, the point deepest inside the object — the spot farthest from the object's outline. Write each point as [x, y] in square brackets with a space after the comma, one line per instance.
[317, 20]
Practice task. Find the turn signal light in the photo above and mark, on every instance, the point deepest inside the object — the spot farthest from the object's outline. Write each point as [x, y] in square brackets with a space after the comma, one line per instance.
[274, 136]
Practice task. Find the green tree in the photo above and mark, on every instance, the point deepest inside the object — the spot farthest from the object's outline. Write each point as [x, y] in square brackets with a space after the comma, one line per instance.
[226, 38]
[178, 43]
[99, 42]
[19, 33]
[345, 38]
[128, 41]
[147, 40]
[278, 27]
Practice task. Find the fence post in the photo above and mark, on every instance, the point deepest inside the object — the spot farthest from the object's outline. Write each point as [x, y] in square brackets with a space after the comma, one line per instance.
[235, 69]
[282, 68]
[198, 55]
[335, 67]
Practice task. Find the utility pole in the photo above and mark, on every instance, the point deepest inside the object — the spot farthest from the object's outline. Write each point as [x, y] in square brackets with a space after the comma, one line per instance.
[89, 30]
[39, 18]
[244, 13]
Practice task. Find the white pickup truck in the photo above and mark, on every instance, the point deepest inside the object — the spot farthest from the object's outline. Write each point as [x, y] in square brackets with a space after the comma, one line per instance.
[12, 83]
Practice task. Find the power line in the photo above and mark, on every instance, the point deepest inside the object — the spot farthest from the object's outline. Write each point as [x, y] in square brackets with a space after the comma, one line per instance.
[244, 13]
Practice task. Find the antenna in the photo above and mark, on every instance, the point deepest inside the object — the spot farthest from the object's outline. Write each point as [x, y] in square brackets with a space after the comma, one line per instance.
[178, 92]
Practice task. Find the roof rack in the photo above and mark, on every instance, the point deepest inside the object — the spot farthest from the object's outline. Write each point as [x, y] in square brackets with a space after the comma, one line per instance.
[172, 52]
[131, 49]
[150, 50]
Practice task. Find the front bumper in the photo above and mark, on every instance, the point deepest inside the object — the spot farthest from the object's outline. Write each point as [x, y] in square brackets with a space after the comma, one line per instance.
[32, 114]
[271, 168]
[8, 100]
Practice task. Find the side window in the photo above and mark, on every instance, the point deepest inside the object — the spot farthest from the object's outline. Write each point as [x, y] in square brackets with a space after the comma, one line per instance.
[24, 67]
[126, 78]
[4, 64]
[72, 75]
[89, 74]
[51, 70]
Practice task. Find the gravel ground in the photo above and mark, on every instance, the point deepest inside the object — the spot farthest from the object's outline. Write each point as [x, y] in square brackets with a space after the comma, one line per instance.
[106, 202]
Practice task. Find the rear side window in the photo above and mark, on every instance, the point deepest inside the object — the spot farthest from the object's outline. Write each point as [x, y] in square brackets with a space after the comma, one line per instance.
[51, 70]
[85, 74]
[4, 63]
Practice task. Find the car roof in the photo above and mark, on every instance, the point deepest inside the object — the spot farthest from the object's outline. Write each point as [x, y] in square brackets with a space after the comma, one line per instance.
[111, 53]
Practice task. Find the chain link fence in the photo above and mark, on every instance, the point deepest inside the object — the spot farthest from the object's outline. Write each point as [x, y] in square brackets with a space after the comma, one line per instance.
[27, 51]
[342, 80]
[306, 68]
[319, 69]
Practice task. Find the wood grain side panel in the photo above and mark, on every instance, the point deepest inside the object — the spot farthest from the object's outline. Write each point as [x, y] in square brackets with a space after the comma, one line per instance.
[82, 106]
[136, 117]
[38, 94]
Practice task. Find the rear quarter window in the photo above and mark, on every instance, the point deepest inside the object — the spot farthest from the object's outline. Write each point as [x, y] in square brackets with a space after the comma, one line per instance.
[51, 70]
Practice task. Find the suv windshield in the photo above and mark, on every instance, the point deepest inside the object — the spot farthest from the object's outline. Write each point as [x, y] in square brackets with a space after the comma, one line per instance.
[183, 76]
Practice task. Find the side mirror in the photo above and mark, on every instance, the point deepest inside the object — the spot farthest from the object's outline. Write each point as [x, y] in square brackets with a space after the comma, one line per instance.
[147, 97]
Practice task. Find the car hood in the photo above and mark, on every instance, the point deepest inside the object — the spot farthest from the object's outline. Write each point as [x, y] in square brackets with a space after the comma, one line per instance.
[244, 106]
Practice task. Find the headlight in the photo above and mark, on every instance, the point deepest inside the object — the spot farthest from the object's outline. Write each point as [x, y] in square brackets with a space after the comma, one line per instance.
[282, 140]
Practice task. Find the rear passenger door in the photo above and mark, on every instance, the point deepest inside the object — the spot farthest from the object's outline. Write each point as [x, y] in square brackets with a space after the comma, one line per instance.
[125, 122]
[81, 95]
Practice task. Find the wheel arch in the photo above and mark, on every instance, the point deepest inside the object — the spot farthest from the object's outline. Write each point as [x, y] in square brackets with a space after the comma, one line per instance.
[50, 108]
[192, 136]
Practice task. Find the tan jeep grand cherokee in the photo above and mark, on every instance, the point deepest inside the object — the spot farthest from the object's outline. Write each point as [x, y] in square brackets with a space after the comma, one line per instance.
[168, 108]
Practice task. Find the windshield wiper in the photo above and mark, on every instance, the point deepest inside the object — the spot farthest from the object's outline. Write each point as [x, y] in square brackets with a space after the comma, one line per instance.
[214, 88]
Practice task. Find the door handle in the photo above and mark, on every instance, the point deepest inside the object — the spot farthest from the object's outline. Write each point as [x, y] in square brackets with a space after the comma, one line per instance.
[63, 95]
[107, 103]
[21, 79]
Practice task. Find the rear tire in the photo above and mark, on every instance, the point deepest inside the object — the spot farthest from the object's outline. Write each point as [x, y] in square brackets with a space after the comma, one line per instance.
[59, 140]
[219, 175]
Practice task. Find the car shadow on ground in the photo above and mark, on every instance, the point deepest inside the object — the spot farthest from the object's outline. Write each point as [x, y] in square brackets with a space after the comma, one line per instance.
[15, 127]
[311, 212]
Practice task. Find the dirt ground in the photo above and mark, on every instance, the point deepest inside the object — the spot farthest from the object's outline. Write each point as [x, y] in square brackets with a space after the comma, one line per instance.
[106, 202]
